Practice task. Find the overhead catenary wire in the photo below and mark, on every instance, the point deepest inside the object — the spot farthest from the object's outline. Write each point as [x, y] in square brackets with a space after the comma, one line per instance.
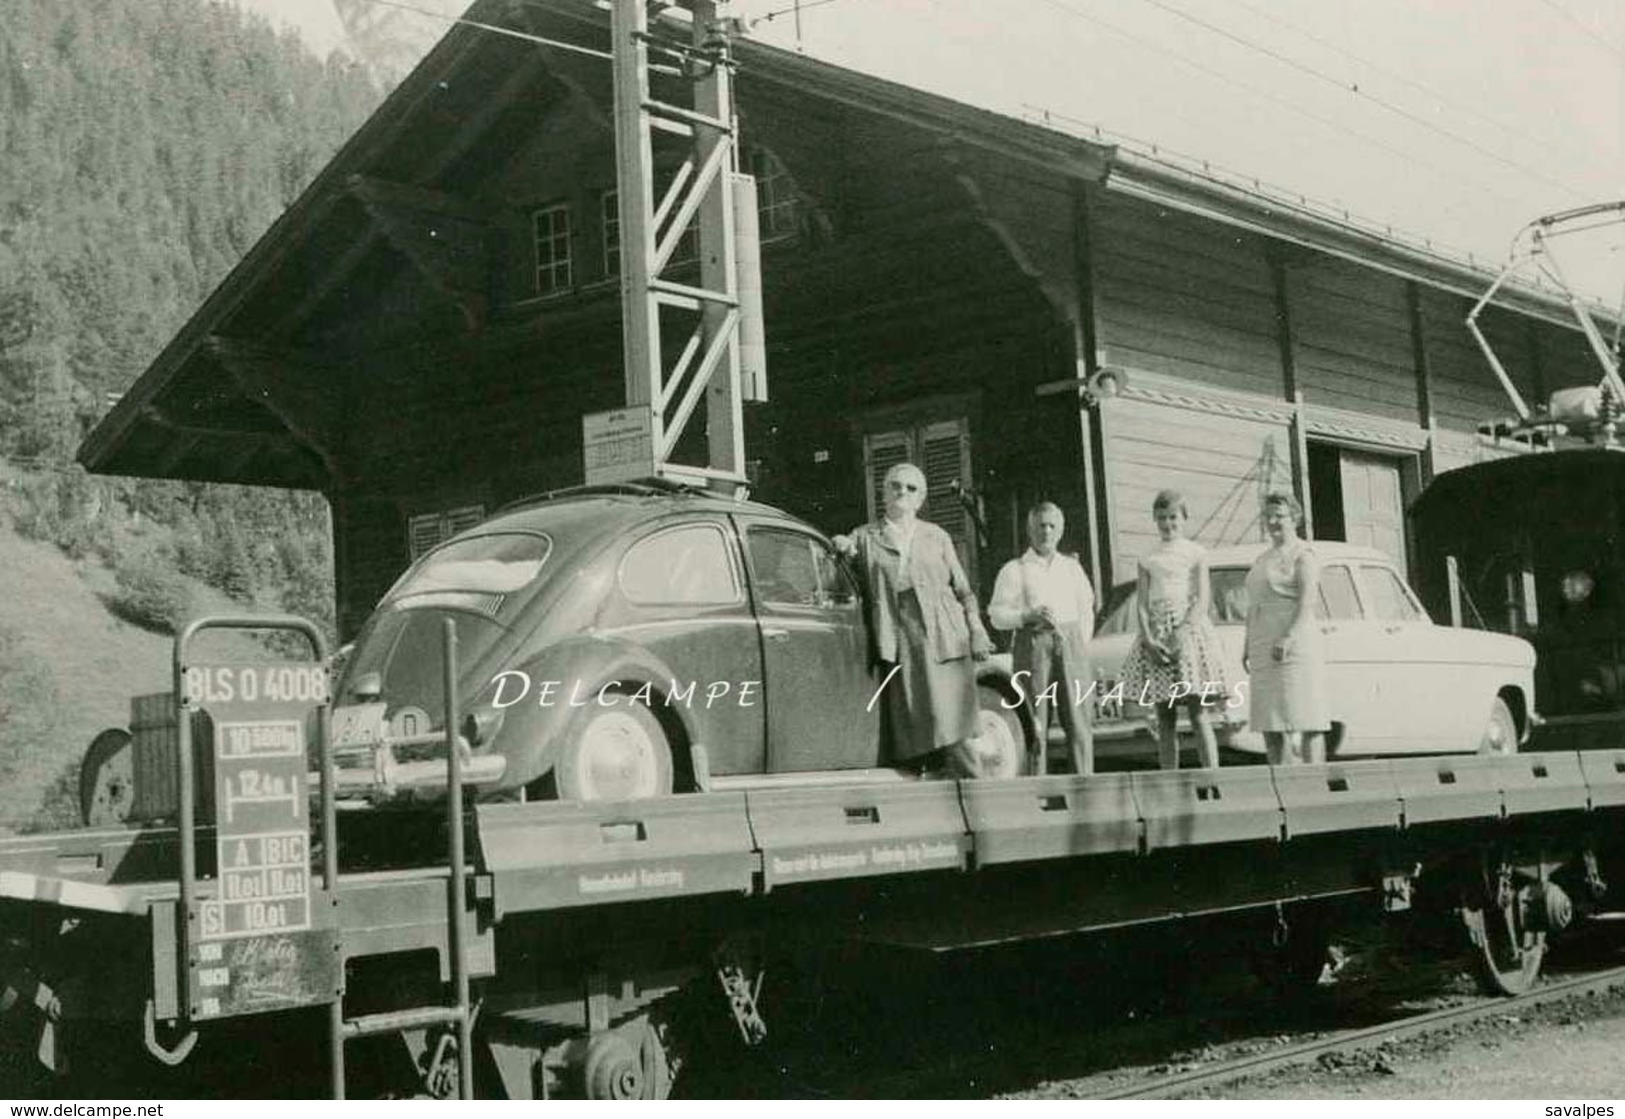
[495, 29]
[1354, 88]
[1410, 158]
[1404, 79]
[767, 17]
[1205, 168]
[1250, 184]
[1586, 29]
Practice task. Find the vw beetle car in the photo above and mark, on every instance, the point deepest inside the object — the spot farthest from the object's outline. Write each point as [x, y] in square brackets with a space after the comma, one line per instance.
[1396, 683]
[628, 641]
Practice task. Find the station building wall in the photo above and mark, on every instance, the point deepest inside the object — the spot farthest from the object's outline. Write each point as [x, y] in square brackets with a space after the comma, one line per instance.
[1252, 365]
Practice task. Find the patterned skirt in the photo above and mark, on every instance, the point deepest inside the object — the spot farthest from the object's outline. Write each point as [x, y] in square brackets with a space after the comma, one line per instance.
[1197, 663]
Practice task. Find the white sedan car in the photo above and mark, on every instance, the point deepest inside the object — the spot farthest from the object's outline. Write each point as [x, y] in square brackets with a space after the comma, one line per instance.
[1396, 683]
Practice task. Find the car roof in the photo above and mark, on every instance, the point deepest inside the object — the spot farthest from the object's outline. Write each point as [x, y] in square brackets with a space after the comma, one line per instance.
[610, 508]
[1243, 555]
[1328, 551]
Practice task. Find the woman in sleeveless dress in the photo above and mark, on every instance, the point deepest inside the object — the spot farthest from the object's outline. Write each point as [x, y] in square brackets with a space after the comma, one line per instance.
[1176, 660]
[1284, 661]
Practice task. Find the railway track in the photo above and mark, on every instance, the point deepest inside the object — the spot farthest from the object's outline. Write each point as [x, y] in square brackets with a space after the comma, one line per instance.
[1184, 1083]
[1072, 1037]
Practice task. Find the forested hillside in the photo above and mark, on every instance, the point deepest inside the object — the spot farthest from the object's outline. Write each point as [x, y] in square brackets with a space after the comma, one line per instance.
[145, 145]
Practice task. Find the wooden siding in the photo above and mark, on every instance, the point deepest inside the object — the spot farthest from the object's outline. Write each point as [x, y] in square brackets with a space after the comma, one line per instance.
[1182, 297]
[506, 410]
[1352, 339]
[1466, 392]
[1565, 358]
[1220, 463]
[373, 555]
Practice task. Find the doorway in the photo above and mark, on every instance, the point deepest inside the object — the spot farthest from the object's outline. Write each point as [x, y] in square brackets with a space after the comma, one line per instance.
[1358, 496]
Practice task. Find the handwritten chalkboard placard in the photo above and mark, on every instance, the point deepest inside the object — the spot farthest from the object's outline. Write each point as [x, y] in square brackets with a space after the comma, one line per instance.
[255, 974]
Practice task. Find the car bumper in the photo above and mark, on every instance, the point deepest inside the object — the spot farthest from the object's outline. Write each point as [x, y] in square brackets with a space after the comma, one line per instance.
[407, 769]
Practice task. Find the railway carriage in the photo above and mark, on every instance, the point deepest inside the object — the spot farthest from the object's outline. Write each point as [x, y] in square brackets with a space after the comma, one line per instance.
[1536, 545]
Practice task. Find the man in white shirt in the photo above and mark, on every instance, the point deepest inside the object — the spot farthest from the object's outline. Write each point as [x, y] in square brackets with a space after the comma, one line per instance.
[1045, 597]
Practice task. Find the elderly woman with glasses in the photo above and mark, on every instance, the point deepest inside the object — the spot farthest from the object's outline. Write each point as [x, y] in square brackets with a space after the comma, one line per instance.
[927, 628]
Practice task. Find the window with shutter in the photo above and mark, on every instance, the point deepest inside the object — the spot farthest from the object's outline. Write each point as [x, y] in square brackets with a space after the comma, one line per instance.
[942, 451]
[882, 451]
[429, 530]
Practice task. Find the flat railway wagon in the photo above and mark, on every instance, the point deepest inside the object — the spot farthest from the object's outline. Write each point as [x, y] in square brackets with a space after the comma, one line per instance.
[551, 949]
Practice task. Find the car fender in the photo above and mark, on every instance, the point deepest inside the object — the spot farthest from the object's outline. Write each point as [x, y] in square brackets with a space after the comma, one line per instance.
[553, 688]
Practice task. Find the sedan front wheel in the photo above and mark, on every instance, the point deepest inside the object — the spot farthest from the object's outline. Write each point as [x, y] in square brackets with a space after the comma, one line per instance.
[1501, 731]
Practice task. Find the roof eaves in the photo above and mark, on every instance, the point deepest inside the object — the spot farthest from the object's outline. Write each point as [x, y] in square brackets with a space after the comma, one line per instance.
[329, 185]
[996, 132]
[1162, 184]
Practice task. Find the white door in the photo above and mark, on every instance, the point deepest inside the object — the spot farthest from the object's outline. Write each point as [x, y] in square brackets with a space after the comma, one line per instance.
[1426, 681]
[1373, 504]
[1356, 663]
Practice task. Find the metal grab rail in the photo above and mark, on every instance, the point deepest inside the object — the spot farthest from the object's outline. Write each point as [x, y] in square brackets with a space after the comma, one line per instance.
[460, 1012]
[187, 783]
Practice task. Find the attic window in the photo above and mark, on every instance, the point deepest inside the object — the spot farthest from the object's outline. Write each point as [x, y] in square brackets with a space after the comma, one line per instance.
[686, 252]
[776, 200]
[551, 228]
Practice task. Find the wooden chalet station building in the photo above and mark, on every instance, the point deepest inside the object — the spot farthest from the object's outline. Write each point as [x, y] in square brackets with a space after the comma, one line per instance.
[420, 335]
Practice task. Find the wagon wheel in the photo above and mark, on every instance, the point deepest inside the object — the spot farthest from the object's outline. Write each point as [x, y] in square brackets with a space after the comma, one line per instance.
[107, 780]
[1506, 951]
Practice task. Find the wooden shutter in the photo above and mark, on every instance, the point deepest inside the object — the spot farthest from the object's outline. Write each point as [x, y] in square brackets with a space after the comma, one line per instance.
[881, 451]
[945, 457]
[428, 530]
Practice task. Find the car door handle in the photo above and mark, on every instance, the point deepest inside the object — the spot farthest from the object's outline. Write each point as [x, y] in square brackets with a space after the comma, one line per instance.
[776, 634]
[1392, 629]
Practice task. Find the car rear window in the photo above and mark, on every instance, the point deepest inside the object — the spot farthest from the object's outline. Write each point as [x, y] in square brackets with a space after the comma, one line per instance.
[493, 564]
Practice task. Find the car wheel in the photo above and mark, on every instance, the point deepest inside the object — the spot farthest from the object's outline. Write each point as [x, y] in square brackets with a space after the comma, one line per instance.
[1501, 731]
[615, 753]
[1001, 737]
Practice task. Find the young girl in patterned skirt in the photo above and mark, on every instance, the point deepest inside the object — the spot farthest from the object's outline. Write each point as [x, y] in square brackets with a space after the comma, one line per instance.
[1176, 660]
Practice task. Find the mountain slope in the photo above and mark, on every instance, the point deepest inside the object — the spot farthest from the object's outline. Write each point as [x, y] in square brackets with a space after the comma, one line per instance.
[68, 666]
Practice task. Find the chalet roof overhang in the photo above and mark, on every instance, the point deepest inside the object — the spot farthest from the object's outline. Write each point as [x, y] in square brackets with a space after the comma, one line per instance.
[245, 393]
[1281, 219]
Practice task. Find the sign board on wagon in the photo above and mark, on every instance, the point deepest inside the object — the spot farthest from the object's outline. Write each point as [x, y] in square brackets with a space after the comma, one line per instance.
[257, 945]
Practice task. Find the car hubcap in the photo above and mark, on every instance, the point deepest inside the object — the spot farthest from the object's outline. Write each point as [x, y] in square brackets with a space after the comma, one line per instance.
[995, 746]
[617, 759]
[1498, 736]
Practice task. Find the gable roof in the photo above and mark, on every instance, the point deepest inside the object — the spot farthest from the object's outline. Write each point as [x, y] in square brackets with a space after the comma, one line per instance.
[215, 403]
